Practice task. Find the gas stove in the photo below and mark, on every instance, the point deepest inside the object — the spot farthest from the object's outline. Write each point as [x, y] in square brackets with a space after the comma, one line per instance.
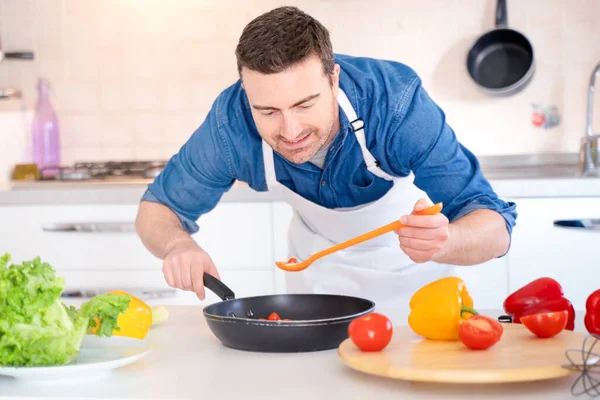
[102, 171]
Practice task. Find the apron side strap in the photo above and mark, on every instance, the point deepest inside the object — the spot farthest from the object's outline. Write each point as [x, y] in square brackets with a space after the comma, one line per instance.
[370, 161]
[374, 169]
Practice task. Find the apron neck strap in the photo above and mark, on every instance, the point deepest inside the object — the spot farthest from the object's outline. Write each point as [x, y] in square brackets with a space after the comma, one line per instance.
[358, 126]
[269, 163]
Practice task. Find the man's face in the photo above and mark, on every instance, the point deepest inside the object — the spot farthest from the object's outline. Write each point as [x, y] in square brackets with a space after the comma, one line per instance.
[295, 111]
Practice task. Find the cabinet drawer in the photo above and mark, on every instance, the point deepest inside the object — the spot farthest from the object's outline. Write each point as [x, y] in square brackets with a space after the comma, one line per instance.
[236, 235]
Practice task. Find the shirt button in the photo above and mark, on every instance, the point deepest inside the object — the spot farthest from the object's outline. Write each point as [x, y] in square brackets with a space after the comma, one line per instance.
[322, 183]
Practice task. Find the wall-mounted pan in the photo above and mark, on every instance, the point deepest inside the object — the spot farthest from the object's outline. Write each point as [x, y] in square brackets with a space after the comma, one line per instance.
[501, 62]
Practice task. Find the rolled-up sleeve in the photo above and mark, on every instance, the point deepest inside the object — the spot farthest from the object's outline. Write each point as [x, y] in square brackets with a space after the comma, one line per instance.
[194, 179]
[420, 141]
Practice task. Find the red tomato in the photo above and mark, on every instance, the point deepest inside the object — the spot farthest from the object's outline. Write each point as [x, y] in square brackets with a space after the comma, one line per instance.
[480, 332]
[546, 325]
[292, 261]
[274, 317]
[371, 332]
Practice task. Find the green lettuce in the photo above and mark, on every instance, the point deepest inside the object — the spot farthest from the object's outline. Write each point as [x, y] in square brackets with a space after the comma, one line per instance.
[36, 327]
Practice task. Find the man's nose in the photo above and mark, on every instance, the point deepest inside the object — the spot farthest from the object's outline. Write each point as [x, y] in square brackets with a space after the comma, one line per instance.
[291, 127]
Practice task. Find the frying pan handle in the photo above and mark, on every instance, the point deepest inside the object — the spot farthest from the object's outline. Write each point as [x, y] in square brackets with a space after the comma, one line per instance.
[505, 318]
[501, 14]
[218, 287]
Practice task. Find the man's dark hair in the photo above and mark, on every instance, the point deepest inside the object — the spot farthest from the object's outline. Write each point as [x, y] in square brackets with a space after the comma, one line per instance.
[280, 38]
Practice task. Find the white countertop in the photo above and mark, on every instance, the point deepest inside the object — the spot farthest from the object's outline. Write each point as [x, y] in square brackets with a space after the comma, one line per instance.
[188, 362]
[64, 193]
[105, 192]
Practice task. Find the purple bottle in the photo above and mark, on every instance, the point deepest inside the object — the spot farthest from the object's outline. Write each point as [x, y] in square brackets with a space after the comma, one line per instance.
[46, 135]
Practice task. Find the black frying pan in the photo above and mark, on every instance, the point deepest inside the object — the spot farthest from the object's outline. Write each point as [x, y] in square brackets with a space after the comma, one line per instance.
[501, 62]
[319, 321]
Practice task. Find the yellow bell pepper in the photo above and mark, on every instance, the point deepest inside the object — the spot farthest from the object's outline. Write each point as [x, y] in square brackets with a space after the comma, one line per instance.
[438, 309]
[135, 322]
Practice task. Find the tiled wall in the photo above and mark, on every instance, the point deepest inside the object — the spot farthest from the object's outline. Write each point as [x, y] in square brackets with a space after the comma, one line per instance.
[134, 78]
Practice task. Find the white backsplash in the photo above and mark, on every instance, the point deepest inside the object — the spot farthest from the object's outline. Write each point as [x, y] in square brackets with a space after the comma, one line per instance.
[133, 79]
[16, 143]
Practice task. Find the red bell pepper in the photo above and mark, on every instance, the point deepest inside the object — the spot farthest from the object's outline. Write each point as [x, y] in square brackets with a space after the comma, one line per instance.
[539, 296]
[592, 313]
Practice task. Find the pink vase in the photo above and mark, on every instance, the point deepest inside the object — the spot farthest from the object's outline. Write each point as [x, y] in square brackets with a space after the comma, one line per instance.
[46, 132]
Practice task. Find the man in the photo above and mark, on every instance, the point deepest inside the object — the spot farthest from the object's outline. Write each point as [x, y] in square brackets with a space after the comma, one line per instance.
[354, 142]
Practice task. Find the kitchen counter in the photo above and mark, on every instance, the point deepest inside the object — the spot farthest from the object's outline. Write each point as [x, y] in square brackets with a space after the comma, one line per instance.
[511, 176]
[60, 193]
[188, 362]
[109, 192]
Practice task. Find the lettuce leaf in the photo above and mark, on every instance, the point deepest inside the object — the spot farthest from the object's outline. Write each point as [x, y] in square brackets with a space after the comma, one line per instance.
[36, 327]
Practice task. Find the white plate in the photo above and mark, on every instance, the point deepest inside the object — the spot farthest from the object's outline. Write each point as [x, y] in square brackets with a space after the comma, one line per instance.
[97, 356]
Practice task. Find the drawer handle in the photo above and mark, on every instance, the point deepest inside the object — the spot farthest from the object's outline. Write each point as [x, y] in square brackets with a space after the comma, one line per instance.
[592, 224]
[110, 227]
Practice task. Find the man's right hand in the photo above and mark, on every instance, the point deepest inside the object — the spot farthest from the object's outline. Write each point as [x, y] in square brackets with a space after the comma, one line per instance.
[184, 267]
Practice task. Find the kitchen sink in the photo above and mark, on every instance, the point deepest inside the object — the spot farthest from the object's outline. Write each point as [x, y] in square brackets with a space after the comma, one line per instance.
[548, 171]
[533, 166]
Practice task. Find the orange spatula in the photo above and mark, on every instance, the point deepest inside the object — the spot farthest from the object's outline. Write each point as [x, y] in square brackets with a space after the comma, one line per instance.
[299, 266]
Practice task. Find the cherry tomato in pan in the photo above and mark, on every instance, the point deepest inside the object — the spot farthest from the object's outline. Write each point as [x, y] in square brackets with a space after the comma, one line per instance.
[274, 317]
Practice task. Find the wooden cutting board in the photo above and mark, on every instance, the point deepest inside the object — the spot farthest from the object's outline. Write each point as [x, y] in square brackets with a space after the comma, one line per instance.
[518, 356]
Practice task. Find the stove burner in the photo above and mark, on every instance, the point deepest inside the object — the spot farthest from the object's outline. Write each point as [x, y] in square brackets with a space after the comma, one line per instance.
[82, 171]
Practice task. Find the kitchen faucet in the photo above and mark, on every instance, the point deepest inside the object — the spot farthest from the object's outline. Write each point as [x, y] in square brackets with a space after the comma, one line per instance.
[589, 143]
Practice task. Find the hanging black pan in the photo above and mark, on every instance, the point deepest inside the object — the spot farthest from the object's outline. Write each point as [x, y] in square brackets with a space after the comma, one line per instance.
[318, 321]
[501, 62]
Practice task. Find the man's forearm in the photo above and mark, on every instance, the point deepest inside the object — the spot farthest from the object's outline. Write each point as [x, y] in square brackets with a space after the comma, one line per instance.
[475, 238]
[159, 228]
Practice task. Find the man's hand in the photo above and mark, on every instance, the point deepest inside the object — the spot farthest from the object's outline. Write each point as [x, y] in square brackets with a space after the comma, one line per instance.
[184, 267]
[424, 235]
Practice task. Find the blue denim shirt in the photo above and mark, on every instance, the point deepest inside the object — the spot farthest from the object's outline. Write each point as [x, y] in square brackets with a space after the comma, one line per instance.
[405, 131]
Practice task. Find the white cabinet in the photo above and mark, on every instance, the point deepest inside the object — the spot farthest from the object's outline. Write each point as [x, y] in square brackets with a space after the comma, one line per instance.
[487, 282]
[22, 234]
[238, 236]
[568, 255]
[245, 240]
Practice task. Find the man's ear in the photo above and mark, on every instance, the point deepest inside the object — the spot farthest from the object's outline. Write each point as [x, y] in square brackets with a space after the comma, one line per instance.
[241, 75]
[335, 79]
[336, 74]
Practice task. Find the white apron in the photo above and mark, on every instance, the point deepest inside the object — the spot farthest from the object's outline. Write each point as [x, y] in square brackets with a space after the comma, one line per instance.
[376, 269]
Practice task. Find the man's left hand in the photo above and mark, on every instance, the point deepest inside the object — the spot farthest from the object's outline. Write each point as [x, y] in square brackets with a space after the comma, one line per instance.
[424, 235]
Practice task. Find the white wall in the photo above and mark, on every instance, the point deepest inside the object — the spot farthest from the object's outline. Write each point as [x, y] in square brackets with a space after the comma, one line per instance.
[133, 79]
